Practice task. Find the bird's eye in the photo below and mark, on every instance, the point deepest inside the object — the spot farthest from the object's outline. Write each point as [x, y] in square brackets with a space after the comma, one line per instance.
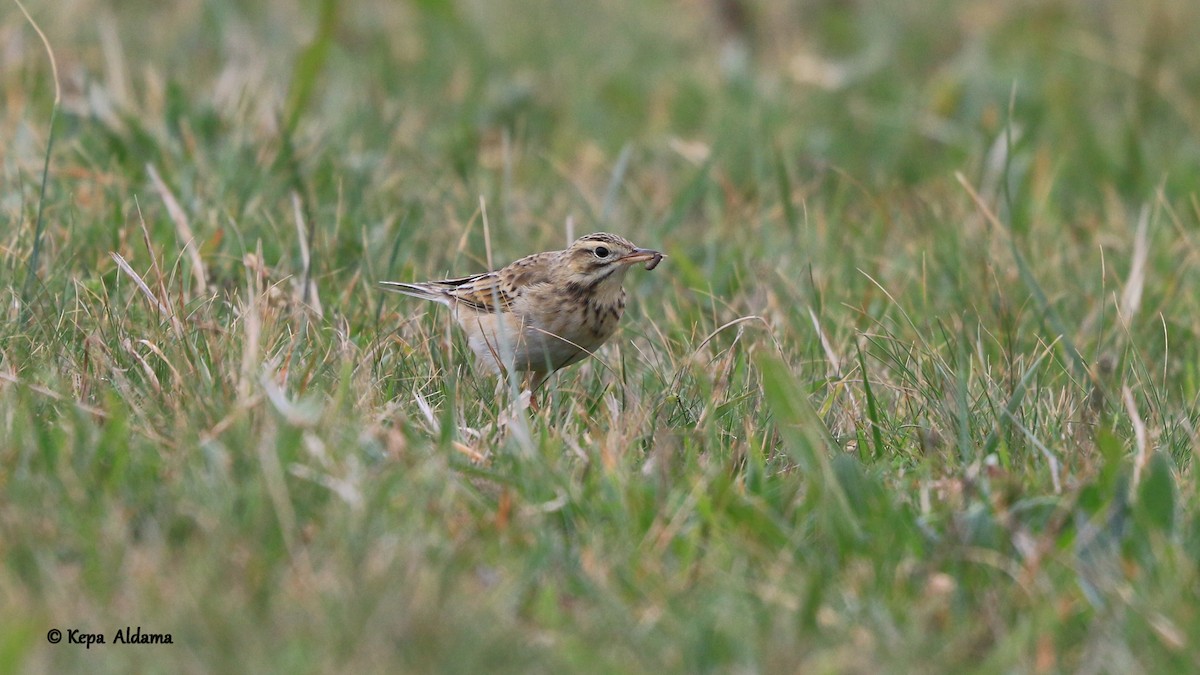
[601, 252]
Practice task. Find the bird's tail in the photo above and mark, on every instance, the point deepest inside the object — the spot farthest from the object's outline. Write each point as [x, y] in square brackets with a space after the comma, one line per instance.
[422, 291]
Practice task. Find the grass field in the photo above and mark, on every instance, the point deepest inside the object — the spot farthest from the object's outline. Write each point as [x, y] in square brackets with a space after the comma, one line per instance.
[918, 387]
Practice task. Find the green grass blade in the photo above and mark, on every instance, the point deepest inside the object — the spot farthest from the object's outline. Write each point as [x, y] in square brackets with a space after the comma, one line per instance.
[806, 439]
[784, 184]
[872, 407]
[309, 65]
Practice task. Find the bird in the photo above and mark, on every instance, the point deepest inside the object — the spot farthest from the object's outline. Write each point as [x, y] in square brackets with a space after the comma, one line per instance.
[543, 312]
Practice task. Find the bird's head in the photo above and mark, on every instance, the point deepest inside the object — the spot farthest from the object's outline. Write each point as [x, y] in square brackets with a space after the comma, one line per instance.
[597, 262]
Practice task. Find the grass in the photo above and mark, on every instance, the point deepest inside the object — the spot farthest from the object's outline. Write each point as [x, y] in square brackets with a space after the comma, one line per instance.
[917, 388]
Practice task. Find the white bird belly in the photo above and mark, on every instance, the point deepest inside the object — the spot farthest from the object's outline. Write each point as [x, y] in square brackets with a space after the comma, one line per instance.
[503, 341]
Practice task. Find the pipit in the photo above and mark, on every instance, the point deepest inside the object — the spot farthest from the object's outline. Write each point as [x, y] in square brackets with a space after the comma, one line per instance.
[544, 311]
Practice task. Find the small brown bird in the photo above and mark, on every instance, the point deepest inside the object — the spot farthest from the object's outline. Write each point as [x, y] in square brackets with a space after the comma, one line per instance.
[544, 311]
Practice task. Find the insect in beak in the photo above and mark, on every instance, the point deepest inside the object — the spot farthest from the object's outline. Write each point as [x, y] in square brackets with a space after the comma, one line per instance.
[651, 258]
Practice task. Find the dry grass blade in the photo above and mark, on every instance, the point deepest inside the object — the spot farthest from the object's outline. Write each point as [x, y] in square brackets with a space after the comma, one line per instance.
[158, 304]
[487, 233]
[1131, 298]
[1051, 457]
[308, 286]
[49, 51]
[834, 362]
[181, 226]
[251, 312]
[734, 322]
[159, 353]
[176, 324]
[1140, 437]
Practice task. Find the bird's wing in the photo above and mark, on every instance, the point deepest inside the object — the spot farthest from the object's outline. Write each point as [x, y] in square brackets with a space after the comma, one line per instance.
[423, 291]
[487, 292]
[497, 291]
[481, 292]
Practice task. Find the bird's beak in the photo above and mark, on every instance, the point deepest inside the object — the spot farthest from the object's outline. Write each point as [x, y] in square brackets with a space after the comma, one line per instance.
[637, 255]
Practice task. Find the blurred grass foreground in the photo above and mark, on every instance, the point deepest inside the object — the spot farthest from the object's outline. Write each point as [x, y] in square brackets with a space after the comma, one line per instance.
[918, 387]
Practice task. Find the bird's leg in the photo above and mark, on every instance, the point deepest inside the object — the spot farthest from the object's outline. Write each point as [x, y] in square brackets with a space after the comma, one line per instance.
[534, 380]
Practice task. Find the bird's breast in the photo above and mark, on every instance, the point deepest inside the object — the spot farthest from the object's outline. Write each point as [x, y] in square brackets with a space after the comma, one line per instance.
[543, 331]
[600, 318]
